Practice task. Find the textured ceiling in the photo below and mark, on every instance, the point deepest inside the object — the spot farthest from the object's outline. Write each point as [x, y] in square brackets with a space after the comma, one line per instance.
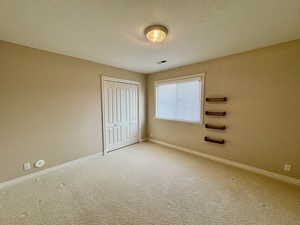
[111, 31]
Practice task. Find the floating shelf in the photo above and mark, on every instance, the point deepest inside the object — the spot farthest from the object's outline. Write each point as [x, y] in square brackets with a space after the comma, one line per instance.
[209, 113]
[217, 127]
[223, 99]
[221, 141]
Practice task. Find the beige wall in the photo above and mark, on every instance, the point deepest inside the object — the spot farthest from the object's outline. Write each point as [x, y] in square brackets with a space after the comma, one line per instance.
[50, 107]
[263, 88]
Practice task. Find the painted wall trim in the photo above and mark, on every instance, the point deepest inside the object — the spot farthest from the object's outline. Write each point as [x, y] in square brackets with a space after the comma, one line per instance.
[273, 175]
[46, 171]
[143, 139]
[256, 170]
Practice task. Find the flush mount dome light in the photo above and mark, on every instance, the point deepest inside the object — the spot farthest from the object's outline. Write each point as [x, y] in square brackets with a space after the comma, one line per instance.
[156, 33]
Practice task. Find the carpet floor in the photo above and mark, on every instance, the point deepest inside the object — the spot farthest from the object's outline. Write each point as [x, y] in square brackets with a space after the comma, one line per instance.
[148, 184]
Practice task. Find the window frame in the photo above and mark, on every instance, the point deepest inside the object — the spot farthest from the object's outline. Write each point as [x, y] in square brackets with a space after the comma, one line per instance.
[200, 77]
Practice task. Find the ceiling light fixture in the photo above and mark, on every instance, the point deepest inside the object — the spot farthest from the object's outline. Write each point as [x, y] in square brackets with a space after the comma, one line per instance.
[156, 33]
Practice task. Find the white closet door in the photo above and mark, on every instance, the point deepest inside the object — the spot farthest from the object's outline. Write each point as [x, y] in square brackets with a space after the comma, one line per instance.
[121, 125]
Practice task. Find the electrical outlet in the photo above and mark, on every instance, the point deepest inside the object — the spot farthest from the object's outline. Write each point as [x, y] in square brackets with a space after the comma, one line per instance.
[27, 166]
[39, 164]
[287, 167]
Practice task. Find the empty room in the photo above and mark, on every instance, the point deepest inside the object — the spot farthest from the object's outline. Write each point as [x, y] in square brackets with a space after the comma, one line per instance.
[158, 112]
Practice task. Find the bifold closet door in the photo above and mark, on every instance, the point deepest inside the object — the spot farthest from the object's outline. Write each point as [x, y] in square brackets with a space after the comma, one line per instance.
[121, 122]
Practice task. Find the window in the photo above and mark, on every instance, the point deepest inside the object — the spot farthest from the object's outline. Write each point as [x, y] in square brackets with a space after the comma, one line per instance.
[180, 99]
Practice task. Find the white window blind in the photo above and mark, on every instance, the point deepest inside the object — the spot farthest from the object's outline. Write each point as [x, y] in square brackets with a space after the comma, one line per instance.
[179, 99]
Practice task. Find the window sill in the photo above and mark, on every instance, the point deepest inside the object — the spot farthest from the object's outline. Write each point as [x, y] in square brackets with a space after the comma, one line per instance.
[180, 121]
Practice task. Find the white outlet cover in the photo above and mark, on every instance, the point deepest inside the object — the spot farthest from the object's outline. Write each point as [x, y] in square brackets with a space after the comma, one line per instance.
[287, 167]
[27, 166]
[40, 163]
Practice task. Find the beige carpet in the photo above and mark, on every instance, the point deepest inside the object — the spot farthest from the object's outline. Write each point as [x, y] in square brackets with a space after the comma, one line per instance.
[150, 184]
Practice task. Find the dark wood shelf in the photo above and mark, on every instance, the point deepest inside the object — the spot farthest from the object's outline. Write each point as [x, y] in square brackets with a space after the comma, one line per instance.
[220, 141]
[209, 113]
[217, 127]
[223, 99]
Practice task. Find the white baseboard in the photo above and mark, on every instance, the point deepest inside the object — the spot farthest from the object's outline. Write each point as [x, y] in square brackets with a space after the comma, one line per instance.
[143, 139]
[45, 171]
[54, 168]
[273, 175]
